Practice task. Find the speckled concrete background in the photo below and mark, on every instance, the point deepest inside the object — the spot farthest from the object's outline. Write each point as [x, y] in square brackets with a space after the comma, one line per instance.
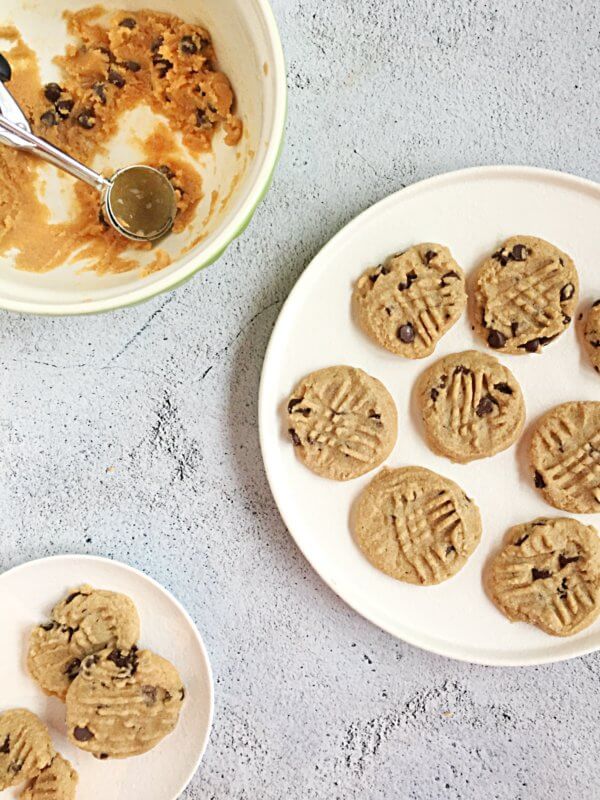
[312, 701]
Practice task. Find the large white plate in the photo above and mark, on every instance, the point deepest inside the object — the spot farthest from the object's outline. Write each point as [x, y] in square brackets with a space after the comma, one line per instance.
[27, 594]
[471, 211]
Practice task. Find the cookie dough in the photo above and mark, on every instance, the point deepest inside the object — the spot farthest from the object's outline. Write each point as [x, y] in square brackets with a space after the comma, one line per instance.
[472, 406]
[408, 303]
[565, 457]
[548, 574]
[123, 703]
[592, 335]
[57, 781]
[25, 747]
[86, 621]
[416, 525]
[341, 422]
[117, 62]
[525, 295]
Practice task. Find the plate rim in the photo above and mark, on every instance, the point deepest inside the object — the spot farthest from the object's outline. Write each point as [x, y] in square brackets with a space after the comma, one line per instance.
[264, 410]
[140, 574]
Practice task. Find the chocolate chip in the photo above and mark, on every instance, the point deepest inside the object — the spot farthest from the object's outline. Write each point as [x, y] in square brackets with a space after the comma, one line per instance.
[521, 540]
[540, 574]
[52, 92]
[99, 90]
[443, 381]
[539, 481]
[102, 218]
[107, 52]
[116, 78]
[562, 590]
[514, 327]
[295, 438]
[434, 394]
[103, 756]
[429, 256]
[49, 119]
[132, 66]
[15, 767]
[502, 256]
[595, 343]
[125, 660]
[462, 370]
[292, 404]
[162, 65]
[149, 694]
[532, 346]
[373, 415]
[406, 333]
[504, 388]
[90, 661]
[451, 274]
[595, 304]
[48, 626]
[544, 340]
[188, 46]
[166, 170]
[385, 270]
[372, 278]
[82, 734]
[202, 120]
[6, 746]
[567, 292]
[86, 120]
[64, 107]
[128, 22]
[496, 339]
[411, 277]
[182, 693]
[157, 44]
[519, 252]
[566, 319]
[563, 561]
[450, 549]
[485, 406]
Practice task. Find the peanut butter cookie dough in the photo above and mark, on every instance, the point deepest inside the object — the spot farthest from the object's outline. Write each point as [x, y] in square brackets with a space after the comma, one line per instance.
[57, 781]
[25, 747]
[142, 57]
[592, 335]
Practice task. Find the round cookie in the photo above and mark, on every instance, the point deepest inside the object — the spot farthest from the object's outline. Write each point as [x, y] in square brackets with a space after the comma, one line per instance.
[565, 457]
[548, 574]
[525, 295]
[25, 747]
[342, 422]
[591, 335]
[86, 621]
[123, 703]
[57, 781]
[472, 406]
[416, 526]
[407, 304]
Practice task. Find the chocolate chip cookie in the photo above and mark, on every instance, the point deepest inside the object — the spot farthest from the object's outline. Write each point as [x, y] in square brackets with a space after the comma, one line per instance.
[548, 574]
[565, 457]
[341, 422]
[57, 781]
[592, 335]
[25, 747]
[123, 703]
[416, 525]
[472, 406]
[86, 621]
[408, 303]
[525, 295]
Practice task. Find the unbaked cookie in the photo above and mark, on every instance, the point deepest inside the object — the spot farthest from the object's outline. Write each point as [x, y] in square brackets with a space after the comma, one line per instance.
[592, 335]
[548, 574]
[407, 304]
[525, 295]
[25, 747]
[565, 457]
[472, 406]
[57, 781]
[123, 703]
[342, 422]
[416, 525]
[86, 621]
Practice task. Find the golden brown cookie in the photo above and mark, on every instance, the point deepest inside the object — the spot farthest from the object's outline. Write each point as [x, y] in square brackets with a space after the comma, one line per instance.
[123, 703]
[548, 574]
[407, 304]
[591, 335]
[525, 295]
[416, 526]
[25, 747]
[472, 406]
[57, 781]
[342, 422]
[565, 457]
[86, 621]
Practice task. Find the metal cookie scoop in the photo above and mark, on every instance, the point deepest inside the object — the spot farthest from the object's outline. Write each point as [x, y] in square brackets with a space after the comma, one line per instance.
[139, 202]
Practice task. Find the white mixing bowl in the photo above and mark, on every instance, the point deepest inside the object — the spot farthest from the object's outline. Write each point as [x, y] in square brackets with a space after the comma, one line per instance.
[250, 53]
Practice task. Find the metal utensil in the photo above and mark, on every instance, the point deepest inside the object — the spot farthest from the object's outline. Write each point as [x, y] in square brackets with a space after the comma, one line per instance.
[139, 201]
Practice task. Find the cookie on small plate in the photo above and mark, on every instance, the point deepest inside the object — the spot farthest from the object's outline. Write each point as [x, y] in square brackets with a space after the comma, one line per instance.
[591, 335]
[472, 406]
[342, 422]
[57, 781]
[416, 526]
[525, 296]
[565, 457]
[25, 747]
[123, 703]
[548, 574]
[408, 303]
[86, 621]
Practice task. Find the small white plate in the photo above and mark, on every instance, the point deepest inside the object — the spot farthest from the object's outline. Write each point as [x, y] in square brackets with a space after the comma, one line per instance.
[471, 211]
[27, 595]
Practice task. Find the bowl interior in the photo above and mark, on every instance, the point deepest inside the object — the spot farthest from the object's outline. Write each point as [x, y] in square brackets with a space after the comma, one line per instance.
[247, 54]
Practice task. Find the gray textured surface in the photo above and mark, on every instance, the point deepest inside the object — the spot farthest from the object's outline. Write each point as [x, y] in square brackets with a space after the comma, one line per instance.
[312, 701]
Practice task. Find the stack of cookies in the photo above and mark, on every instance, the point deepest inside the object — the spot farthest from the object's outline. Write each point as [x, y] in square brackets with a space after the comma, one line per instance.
[416, 525]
